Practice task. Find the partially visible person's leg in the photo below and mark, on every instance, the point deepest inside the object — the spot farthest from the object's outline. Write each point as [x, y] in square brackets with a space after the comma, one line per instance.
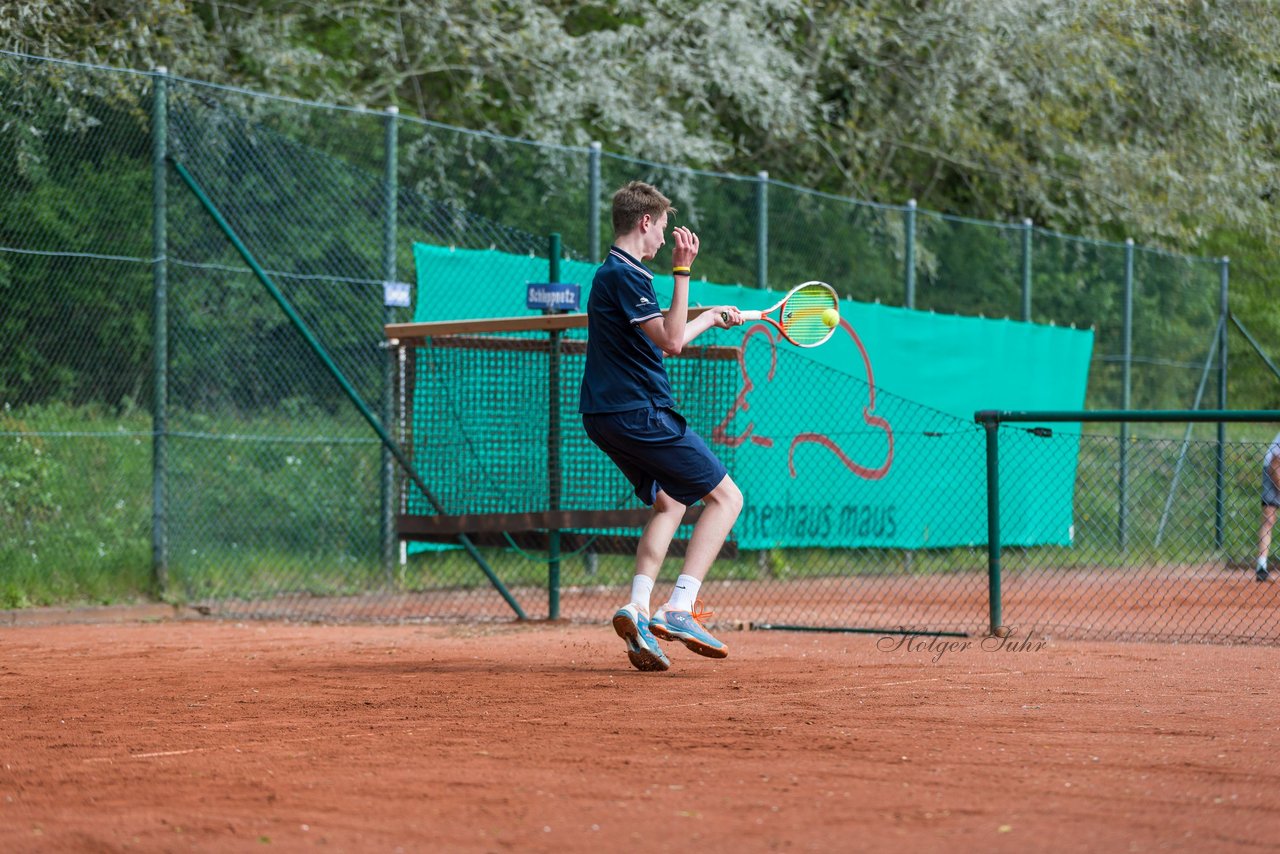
[671, 467]
[676, 620]
[631, 621]
[1264, 540]
[622, 437]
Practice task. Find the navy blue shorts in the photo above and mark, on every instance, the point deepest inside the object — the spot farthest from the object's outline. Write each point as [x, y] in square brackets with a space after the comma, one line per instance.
[655, 449]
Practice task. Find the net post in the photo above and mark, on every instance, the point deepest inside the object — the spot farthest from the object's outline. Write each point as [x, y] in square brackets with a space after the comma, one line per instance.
[406, 365]
[991, 424]
[553, 442]
[160, 332]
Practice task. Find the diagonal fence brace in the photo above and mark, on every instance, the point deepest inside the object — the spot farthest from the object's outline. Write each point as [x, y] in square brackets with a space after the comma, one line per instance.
[299, 324]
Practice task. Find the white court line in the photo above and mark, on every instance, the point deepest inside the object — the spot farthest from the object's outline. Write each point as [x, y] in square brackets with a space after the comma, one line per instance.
[237, 747]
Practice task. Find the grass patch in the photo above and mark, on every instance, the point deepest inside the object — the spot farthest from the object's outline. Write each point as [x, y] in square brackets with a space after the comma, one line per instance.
[77, 522]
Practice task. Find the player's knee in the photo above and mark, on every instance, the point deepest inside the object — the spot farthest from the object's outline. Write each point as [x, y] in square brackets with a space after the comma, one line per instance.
[728, 496]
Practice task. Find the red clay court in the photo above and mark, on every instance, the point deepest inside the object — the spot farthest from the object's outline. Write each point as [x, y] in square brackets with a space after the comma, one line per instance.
[177, 735]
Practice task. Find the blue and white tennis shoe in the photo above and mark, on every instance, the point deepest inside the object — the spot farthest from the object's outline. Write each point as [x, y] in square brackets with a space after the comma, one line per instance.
[632, 625]
[686, 627]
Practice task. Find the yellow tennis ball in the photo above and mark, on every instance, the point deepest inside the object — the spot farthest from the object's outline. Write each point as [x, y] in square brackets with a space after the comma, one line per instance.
[830, 317]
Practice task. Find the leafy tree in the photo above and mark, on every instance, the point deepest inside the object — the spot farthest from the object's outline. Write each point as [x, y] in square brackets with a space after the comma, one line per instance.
[1155, 120]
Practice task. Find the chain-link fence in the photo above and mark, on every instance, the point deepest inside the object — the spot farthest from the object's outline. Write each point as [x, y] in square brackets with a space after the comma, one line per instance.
[1166, 536]
[75, 357]
[167, 431]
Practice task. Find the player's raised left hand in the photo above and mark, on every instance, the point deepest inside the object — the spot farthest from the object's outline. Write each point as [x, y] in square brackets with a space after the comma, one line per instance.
[686, 248]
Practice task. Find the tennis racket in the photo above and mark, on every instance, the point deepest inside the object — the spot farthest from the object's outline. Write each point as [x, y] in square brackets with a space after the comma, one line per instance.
[799, 315]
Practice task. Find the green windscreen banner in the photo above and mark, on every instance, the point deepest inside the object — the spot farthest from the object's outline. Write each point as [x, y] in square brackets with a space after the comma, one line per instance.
[868, 440]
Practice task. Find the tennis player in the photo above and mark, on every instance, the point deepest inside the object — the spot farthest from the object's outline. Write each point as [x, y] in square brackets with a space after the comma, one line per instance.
[628, 411]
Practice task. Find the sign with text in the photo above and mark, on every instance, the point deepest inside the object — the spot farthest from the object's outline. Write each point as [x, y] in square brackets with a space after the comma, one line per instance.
[397, 294]
[552, 296]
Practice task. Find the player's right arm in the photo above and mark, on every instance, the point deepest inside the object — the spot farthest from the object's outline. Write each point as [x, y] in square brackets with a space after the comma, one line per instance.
[722, 316]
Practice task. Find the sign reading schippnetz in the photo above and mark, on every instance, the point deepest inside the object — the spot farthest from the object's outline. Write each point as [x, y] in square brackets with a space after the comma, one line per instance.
[552, 296]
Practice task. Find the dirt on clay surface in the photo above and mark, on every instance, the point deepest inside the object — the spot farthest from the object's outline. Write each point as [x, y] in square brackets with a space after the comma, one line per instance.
[214, 735]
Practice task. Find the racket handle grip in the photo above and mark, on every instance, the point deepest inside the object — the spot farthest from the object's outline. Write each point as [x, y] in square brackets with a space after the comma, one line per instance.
[752, 315]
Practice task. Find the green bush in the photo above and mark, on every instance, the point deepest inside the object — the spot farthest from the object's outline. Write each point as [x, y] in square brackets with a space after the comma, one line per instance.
[25, 473]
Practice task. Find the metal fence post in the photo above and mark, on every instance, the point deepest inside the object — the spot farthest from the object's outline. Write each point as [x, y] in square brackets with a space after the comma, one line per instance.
[390, 191]
[1026, 270]
[160, 332]
[909, 255]
[1126, 395]
[1224, 311]
[553, 445]
[762, 229]
[991, 424]
[593, 202]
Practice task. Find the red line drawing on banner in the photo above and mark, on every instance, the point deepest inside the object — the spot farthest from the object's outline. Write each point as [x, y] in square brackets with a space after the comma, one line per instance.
[721, 435]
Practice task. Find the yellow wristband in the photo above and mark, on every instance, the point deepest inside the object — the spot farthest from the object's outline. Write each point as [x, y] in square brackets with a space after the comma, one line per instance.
[680, 271]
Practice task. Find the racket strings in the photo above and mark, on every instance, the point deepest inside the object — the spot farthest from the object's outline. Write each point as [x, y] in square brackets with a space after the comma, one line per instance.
[802, 314]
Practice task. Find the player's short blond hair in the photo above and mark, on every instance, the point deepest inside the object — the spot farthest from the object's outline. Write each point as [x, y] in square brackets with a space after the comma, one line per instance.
[633, 201]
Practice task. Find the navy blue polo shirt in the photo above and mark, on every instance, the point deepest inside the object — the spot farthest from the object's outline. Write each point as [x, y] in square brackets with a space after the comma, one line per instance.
[624, 368]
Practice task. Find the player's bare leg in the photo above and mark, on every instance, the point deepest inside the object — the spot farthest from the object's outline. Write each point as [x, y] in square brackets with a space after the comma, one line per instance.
[658, 532]
[679, 619]
[723, 505]
[631, 621]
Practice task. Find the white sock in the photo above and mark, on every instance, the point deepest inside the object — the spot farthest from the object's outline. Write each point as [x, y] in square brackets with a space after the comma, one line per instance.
[641, 587]
[1262, 563]
[684, 594]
